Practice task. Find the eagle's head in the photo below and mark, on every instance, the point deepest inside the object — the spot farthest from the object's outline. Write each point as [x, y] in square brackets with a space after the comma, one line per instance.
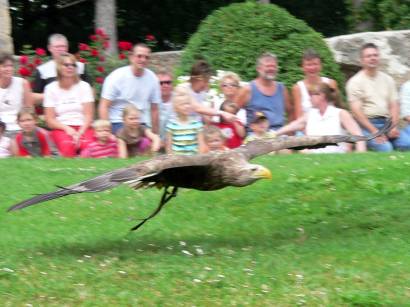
[248, 174]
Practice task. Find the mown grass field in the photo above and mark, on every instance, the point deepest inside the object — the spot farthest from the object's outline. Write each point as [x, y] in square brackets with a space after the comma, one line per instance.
[328, 230]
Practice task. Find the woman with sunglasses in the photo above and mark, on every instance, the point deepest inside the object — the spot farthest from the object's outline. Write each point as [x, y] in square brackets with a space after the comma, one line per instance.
[325, 119]
[69, 108]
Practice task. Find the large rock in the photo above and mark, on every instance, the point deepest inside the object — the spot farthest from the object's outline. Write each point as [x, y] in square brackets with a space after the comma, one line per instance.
[6, 43]
[394, 49]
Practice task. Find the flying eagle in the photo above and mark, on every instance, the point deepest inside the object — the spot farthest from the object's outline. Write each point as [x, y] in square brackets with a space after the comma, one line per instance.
[204, 172]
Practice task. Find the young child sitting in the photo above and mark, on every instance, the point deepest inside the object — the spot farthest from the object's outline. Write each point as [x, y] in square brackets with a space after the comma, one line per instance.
[135, 138]
[260, 128]
[31, 141]
[234, 132]
[214, 139]
[105, 146]
[5, 142]
[184, 133]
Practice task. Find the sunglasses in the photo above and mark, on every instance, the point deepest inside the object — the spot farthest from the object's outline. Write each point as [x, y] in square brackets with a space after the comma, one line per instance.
[70, 65]
[229, 85]
[142, 56]
[165, 82]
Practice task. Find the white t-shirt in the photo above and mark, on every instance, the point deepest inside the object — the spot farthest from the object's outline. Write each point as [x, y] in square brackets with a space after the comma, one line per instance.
[68, 104]
[122, 87]
[327, 124]
[11, 101]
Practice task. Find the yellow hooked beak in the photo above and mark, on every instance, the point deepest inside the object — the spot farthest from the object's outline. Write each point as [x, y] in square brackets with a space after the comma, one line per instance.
[263, 173]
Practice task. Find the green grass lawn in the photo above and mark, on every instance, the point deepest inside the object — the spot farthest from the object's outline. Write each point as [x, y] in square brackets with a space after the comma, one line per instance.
[326, 231]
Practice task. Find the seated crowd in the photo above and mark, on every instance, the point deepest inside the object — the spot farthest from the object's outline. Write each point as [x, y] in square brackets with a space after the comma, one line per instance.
[141, 113]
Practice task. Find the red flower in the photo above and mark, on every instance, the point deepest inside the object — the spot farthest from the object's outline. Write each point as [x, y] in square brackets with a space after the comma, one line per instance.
[24, 71]
[83, 47]
[99, 80]
[37, 61]
[102, 58]
[93, 37]
[82, 60]
[100, 31]
[124, 45]
[94, 52]
[40, 52]
[23, 59]
[122, 56]
[106, 44]
[100, 68]
[150, 37]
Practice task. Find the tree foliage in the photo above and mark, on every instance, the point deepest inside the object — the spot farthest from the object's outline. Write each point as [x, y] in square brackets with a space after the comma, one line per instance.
[380, 14]
[232, 38]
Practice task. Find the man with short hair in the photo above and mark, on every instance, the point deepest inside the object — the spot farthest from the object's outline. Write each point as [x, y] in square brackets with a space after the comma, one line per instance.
[165, 108]
[47, 72]
[265, 94]
[373, 98]
[134, 84]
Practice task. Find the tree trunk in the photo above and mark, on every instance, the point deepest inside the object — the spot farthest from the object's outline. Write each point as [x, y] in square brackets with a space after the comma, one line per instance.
[362, 25]
[6, 43]
[106, 19]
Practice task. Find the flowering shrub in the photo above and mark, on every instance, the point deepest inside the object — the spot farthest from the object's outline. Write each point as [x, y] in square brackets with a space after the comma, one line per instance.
[29, 60]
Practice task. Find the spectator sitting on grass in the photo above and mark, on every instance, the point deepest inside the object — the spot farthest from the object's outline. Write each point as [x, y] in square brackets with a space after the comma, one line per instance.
[197, 88]
[214, 139]
[15, 93]
[184, 133]
[69, 108]
[259, 128]
[134, 137]
[234, 132]
[311, 67]
[31, 141]
[106, 145]
[325, 119]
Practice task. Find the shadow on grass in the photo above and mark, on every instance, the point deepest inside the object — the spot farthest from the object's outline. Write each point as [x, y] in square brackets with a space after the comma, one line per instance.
[129, 245]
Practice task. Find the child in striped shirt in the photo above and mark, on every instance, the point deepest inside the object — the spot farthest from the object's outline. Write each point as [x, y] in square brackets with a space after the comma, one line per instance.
[184, 133]
[105, 146]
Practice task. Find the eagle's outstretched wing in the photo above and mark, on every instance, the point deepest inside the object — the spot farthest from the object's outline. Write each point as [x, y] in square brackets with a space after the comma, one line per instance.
[145, 173]
[260, 147]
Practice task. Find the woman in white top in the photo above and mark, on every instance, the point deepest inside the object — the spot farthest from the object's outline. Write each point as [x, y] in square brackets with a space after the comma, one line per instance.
[15, 93]
[311, 66]
[325, 119]
[69, 108]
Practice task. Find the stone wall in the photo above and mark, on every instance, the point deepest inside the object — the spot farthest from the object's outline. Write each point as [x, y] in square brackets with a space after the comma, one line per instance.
[6, 43]
[394, 49]
[167, 60]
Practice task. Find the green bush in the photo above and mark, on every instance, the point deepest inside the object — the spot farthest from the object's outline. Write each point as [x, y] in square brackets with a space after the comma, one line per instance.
[231, 38]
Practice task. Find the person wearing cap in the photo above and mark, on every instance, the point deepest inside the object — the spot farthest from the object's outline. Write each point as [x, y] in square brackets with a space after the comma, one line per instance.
[265, 94]
[259, 128]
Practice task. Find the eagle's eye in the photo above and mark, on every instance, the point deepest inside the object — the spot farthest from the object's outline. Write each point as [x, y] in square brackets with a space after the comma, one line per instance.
[254, 169]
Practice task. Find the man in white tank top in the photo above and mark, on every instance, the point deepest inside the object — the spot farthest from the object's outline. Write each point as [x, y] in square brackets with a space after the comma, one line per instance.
[311, 66]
